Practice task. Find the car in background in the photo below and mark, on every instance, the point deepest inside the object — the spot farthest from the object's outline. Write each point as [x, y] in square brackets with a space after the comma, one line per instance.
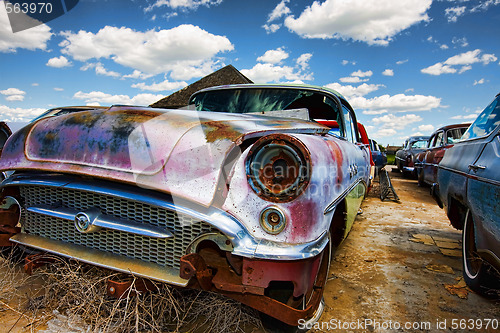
[426, 162]
[5, 132]
[363, 139]
[468, 187]
[405, 157]
[378, 156]
[233, 196]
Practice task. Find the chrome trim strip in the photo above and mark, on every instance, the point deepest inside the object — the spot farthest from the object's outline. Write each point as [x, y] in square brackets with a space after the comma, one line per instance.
[331, 207]
[102, 259]
[468, 175]
[103, 221]
[410, 169]
[244, 243]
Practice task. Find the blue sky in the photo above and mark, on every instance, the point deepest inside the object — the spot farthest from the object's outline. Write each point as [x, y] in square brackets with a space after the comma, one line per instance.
[406, 66]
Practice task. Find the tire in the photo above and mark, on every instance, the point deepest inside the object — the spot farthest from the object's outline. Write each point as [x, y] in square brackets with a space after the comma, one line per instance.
[478, 274]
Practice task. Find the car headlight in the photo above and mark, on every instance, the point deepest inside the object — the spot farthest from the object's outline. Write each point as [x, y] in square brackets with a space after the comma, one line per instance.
[278, 167]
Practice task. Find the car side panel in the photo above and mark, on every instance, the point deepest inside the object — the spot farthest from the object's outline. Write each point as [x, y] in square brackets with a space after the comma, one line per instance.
[483, 195]
[453, 170]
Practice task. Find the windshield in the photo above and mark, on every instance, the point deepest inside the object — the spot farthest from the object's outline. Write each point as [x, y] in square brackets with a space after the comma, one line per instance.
[486, 122]
[419, 144]
[454, 135]
[257, 100]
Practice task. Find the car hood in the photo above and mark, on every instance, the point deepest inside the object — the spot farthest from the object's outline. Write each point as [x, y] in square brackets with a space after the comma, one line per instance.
[175, 151]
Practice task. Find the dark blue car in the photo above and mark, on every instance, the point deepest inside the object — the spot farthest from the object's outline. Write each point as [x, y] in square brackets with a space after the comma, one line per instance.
[378, 156]
[469, 189]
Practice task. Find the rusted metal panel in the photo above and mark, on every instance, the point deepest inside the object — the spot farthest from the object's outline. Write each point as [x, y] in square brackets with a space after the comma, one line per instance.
[331, 161]
[260, 273]
[128, 144]
[34, 261]
[130, 287]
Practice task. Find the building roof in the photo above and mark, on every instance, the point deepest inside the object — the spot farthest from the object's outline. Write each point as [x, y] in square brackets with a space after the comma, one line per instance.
[224, 76]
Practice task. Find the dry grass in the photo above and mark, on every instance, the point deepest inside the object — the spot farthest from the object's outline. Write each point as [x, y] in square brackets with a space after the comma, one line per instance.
[73, 297]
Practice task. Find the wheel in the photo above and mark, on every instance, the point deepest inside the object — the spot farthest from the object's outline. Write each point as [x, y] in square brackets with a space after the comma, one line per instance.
[478, 274]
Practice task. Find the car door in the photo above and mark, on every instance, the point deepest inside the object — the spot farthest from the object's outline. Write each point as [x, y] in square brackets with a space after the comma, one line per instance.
[435, 156]
[430, 172]
[359, 166]
[483, 194]
[461, 161]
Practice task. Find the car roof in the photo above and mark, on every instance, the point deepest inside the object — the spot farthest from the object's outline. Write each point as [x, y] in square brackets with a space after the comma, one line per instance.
[447, 127]
[275, 86]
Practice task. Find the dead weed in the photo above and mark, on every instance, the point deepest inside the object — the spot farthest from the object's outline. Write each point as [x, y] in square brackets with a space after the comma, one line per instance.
[76, 293]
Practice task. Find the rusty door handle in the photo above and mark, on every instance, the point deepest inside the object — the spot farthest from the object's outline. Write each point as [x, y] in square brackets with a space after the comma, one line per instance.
[476, 167]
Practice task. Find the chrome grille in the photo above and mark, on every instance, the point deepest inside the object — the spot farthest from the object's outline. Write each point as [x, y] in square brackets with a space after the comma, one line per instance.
[159, 251]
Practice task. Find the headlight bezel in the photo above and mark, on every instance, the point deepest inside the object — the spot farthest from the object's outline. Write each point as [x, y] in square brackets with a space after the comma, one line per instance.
[278, 167]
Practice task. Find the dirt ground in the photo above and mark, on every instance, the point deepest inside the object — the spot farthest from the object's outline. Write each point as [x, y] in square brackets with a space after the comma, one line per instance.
[401, 265]
[398, 271]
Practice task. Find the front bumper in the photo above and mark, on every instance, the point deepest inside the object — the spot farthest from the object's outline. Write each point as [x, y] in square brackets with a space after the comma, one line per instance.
[242, 241]
[249, 268]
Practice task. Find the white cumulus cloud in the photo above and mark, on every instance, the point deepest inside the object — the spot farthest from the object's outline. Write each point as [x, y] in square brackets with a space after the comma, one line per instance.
[373, 22]
[280, 10]
[185, 51]
[31, 39]
[453, 13]
[58, 62]
[426, 128]
[137, 75]
[271, 28]
[99, 97]
[13, 94]
[273, 56]
[388, 72]
[465, 60]
[99, 69]
[265, 73]
[273, 71]
[352, 79]
[19, 114]
[183, 4]
[480, 81]
[395, 103]
[394, 122]
[162, 86]
[349, 91]
[303, 60]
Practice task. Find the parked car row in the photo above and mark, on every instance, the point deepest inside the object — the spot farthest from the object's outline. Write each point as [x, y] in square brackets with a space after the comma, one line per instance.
[244, 193]
[468, 188]
[461, 163]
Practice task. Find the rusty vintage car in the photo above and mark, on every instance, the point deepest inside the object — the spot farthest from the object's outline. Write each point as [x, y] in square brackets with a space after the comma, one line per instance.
[232, 196]
[405, 157]
[468, 187]
[426, 162]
